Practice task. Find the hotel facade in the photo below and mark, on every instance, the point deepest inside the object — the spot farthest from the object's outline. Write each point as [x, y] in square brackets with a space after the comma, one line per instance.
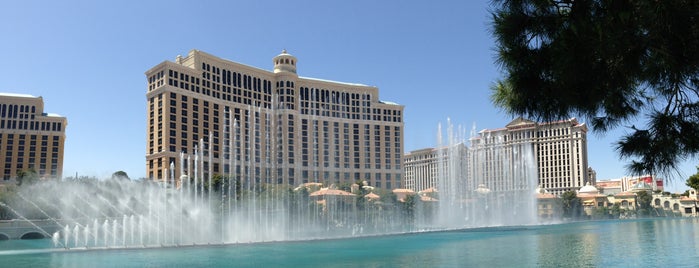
[559, 150]
[554, 153]
[268, 126]
[424, 166]
[30, 139]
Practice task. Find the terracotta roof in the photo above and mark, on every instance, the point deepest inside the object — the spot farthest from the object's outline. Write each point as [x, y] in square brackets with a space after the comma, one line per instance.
[327, 191]
[372, 196]
[429, 190]
[686, 199]
[403, 191]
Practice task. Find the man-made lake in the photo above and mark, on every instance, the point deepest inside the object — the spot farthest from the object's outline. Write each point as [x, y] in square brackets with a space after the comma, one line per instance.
[618, 243]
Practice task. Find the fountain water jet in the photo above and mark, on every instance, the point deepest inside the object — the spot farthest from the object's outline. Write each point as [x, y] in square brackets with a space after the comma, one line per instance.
[247, 207]
[489, 183]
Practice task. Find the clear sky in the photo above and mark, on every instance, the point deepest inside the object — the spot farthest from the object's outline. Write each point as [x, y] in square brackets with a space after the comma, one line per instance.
[87, 60]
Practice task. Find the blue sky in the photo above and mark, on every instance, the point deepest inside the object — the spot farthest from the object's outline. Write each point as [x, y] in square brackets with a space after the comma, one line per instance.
[87, 60]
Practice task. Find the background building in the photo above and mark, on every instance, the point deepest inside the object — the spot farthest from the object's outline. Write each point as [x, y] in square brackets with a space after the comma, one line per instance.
[424, 166]
[289, 129]
[496, 158]
[29, 138]
[559, 148]
[627, 183]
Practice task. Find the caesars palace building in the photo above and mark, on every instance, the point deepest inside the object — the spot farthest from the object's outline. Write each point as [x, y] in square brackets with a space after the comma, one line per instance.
[558, 158]
[275, 127]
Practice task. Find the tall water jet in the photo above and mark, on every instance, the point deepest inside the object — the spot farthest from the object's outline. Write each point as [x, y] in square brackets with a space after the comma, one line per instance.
[492, 182]
[248, 204]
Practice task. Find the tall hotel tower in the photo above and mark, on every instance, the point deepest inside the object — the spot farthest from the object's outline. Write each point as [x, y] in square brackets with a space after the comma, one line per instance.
[559, 151]
[29, 138]
[497, 158]
[275, 127]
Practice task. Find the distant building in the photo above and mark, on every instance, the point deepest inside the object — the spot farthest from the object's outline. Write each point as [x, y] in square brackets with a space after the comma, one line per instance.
[627, 183]
[610, 187]
[591, 175]
[424, 166]
[662, 204]
[292, 129]
[549, 206]
[689, 205]
[30, 139]
[559, 149]
[591, 199]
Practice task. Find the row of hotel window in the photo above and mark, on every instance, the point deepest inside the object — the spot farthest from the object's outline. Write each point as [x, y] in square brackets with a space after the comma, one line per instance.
[17, 111]
[247, 97]
[33, 138]
[264, 86]
[520, 135]
[193, 83]
[195, 108]
[226, 77]
[31, 125]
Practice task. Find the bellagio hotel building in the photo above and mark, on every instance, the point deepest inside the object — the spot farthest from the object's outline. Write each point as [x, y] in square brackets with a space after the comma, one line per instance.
[270, 126]
[30, 139]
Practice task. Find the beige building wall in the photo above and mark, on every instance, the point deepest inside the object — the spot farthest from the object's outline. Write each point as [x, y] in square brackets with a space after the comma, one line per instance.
[560, 149]
[292, 129]
[29, 137]
[423, 167]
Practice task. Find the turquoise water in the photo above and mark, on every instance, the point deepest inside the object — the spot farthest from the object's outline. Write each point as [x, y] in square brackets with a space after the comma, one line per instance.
[629, 243]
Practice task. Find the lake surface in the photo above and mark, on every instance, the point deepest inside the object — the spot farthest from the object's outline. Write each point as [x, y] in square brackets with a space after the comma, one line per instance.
[618, 243]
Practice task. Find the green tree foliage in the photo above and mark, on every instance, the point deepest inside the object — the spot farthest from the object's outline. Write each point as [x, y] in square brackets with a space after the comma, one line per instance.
[217, 181]
[27, 177]
[120, 175]
[615, 211]
[572, 206]
[409, 204]
[644, 199]
[387, 196]
[609, 61]
[693, 181]
[7, 194]
[600, 213]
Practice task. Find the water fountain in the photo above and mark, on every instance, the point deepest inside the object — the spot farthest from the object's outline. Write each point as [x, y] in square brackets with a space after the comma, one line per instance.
[489, 183]
[483, 190]
[198, 209]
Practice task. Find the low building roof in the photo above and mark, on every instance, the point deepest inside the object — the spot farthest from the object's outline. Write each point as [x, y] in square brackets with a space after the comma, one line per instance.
[588, 189]
[687, 199]
[403, 191]
[429, 190]
[372, 196]
[327, 191]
